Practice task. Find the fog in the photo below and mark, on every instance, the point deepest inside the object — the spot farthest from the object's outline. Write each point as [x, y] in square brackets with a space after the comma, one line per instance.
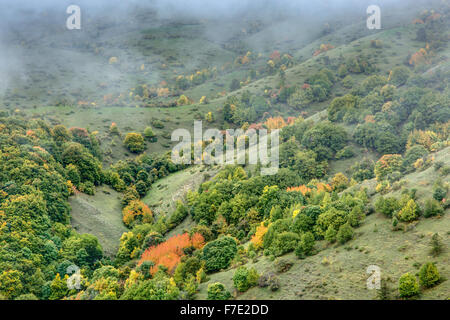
[34, 38]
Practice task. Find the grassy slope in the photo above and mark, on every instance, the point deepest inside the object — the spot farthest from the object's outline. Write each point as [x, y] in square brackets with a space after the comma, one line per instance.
[339, 272]
[100, 215]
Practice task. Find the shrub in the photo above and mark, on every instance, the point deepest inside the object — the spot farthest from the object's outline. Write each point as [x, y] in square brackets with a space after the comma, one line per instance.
[169, 253]
[244, 278]
[439, 193]
[432, 208]
[87, 188]
[149, 134]
[269, 280]
[137, 211]
[219, 253]
[347, 82]
[158, 124]
[305, 246]
[345, 233]
[428, 275]
[134, 142]
[387, 206]
[284, 242]
[409, 212]
[330, 234]
[217, 291]
[408, 286]
[399, 75]
[436, 245]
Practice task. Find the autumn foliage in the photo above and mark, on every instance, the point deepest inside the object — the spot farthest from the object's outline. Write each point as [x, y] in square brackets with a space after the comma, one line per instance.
[420, 57]
[323, 48]
[169, 253]
[275, 123]
[319, 187]
[137, 210]
[257, 238]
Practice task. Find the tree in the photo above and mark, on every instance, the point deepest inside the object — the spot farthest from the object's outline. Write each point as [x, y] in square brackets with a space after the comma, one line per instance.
[305, 246]
[134, 142]
[149, 134]
[341, 106]
[428, 275]
[399, 75]
[61, 134]
[137, 212]
[409, 212]
[330, 234]
[160, 287]
[387, 164]
[219, 253]
[408, 286]
[339, 182]
[11, 284]
[58, 287]
[217, 291]
[387, 206]
[169, 253]
[325, 139]
[432, 208]
[244, 278]
[439, 193]
[88, 166]
[235, 85]
[345, 233]
[436, 245]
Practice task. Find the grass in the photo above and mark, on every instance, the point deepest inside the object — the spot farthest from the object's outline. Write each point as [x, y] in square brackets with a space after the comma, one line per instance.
[339, 271]
[100, 215]
[167, 191]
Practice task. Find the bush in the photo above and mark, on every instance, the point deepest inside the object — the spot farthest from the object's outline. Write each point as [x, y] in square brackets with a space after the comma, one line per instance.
[136, 212]
[345, 233]
[269, 280]
[399, 75]
[87, 187]
[149, 134]
[387, 206]
[428, 275]
[408, 286]
[219, 253]
[217, 291]
[134, 142]
[439, 193]
[436, 245]
[244, 278]
[409, 212]
[432, 208]
[305, 246]
[330, 234]
[284, 243]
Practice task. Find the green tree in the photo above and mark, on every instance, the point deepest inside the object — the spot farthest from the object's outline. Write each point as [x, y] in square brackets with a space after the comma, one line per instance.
[217, 291]
[219, 253]
[305, 246]
[409, 212]
[58, 287]
[408, 286]
[345, 233]
[11, 284]
[134, 142]
[428, 275]
[399, 75]
[244, 278]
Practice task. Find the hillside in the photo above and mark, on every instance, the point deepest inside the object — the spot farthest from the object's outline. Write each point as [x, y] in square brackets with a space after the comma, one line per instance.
[89, 121]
